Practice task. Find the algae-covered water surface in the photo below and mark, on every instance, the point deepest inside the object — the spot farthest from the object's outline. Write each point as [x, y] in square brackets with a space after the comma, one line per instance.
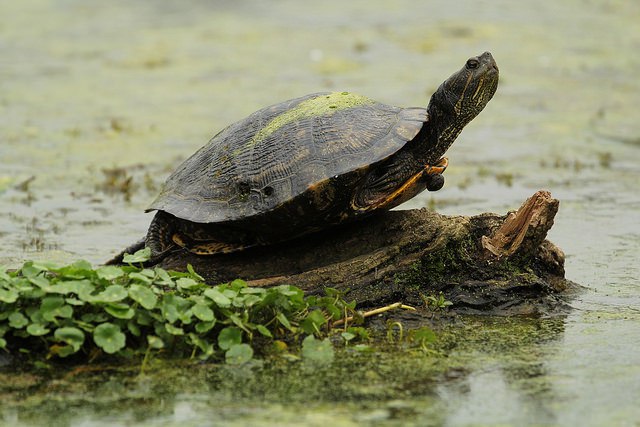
[99, 101]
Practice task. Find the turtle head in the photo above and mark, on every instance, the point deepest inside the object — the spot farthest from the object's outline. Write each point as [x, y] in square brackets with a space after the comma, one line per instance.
[463, 95]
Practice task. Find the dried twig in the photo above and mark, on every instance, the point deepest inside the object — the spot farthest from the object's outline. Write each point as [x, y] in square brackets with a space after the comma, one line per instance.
[374, 312]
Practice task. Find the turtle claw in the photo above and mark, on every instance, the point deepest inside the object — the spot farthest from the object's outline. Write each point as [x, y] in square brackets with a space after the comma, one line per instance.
[438, 168]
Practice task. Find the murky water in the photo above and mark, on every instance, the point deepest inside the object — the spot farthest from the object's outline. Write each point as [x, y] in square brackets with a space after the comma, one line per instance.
[100, 100]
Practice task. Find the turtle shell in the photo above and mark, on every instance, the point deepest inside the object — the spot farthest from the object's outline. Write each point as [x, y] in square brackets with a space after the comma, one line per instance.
[282, 151]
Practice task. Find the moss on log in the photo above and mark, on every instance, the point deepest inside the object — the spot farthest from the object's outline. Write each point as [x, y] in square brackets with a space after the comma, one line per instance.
[486, 263]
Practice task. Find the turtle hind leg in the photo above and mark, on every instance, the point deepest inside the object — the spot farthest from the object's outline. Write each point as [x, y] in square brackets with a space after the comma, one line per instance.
[158, 239]
[396, 185]
[159, 236]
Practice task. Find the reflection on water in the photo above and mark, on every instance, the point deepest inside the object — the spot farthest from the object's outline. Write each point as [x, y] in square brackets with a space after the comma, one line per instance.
[138, 86]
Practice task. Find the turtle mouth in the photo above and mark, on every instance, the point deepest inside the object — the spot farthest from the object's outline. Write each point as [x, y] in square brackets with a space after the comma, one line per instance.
[493, 70]
[487, 58]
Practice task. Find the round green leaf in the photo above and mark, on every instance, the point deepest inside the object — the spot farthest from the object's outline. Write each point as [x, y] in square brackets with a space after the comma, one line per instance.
[313, 322]
[18, 320]
[348, 336]
[109, 337]
[202, 327]
[82, 264]
[238, 354]
[113, 293]
[64, 351]
[109, 272]
[155, 342]
[29, 270]
[216, 296]
[148, 272]
[94, 318]
[173, 330]
[3, 275]
[73, 301]
[84, 289]
[37, 329]
[72, 336]
[423, 335]
[141, 278]
[175, 307]
[163, 278]
[78, 270]
[141, 256]
[47, 265]
[251, 300]
[41, 282]
[252, 290]
[228, 337]
[319, 351]
[66, 287]
[120, 310]
[144, 296]
[186, 283]
[8, 295]
[52, 307]
[238, 283]
[51, 303]
[203, 312]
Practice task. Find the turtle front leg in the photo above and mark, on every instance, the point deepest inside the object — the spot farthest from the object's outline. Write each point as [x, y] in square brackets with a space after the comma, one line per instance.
[433, 174]
[380, 196]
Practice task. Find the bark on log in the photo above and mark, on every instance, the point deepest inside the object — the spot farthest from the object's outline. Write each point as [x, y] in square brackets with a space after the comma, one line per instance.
[486, 263]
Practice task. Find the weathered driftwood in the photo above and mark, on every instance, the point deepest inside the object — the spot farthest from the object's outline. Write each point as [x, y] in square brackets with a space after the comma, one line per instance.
[485, 263]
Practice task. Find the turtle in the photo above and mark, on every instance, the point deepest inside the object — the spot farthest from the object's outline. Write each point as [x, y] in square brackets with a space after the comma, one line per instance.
[311, 163]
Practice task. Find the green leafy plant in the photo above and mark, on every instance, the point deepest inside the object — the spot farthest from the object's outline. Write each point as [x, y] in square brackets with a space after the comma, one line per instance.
[436, 302]
[81, 311]
[78, 311]
[422, 337]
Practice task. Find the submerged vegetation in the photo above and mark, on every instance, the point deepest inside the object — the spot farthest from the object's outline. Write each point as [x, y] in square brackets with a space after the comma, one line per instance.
[86, 313]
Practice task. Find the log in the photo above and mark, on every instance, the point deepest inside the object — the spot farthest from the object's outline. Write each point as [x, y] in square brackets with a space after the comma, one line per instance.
[489, 263]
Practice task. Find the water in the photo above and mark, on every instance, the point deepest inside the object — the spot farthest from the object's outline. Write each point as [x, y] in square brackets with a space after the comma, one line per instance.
[134, 88]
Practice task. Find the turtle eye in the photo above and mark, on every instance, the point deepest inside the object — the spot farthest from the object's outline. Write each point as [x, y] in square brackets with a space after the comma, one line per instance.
[473, 63]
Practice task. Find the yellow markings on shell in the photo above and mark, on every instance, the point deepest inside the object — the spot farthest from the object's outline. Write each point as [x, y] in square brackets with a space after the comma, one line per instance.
[322, 105]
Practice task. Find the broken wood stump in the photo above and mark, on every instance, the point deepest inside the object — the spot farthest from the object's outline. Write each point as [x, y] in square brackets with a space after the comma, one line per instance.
[485, 263]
